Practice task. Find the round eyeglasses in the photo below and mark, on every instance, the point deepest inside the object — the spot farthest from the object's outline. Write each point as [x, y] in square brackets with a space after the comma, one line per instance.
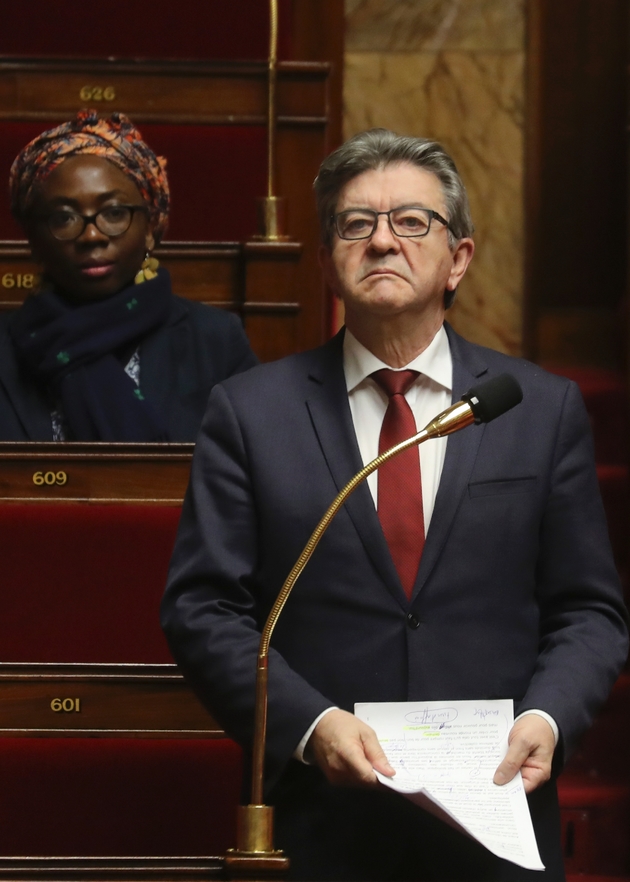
[113, 220]
[408, 221]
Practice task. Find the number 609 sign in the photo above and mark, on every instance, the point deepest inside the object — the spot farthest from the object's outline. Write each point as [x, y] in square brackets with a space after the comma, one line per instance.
[50, 479]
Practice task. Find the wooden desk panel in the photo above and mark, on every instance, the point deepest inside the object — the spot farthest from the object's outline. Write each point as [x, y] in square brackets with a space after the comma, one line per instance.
[258, 279]
[144, 701]
[208, 272]
[166, 91]
[228, 274]
[154, 474]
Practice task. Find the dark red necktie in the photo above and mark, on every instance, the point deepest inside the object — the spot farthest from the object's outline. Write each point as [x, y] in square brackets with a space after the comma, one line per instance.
[399, 483]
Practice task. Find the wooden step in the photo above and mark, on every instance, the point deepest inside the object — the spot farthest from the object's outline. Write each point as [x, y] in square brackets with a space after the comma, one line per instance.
[104, 869]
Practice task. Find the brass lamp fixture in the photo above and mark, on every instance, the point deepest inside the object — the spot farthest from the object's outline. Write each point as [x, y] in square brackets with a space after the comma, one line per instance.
[272, 208]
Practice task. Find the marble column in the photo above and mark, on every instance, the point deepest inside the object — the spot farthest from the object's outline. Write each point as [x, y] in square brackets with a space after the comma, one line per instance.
[453, 70]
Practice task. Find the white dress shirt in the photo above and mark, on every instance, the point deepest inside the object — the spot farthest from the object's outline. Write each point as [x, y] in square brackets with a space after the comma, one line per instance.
[429, 394]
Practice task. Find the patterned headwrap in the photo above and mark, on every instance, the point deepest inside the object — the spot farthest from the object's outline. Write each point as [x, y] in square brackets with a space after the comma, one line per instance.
[115, 139]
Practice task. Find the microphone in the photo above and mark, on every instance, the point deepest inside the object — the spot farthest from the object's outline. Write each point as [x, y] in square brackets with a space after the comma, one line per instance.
[254, 851]
[481, 404]
[494, 397]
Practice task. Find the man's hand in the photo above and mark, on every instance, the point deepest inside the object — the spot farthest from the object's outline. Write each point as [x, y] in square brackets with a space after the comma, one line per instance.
[531, 745]
[347, 750]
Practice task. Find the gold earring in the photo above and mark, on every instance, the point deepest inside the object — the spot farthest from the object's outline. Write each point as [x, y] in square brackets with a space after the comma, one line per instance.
[148, 270]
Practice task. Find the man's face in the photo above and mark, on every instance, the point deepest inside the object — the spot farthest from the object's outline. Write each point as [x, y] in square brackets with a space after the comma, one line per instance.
[386, 275]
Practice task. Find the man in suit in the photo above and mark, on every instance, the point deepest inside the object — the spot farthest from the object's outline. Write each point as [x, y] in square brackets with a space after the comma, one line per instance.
[512, 594]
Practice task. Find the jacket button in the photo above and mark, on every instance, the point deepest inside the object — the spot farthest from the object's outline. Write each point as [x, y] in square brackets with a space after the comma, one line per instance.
[413, 621]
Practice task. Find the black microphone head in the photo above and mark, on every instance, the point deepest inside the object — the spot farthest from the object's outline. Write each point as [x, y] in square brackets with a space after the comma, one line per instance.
[494, 397]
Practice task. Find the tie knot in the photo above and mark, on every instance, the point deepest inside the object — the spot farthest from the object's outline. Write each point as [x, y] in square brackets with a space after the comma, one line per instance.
[394, 382]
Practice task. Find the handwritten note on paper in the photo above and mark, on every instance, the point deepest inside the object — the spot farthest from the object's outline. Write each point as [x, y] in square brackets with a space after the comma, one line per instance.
[445, 754]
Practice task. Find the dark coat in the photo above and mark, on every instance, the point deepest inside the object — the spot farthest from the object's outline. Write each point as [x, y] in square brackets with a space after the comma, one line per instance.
[516, 596]
[179, 363]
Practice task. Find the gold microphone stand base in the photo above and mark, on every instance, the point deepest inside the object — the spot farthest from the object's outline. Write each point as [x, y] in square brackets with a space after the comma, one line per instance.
[241, 865]
[271, 220]
[254, 854]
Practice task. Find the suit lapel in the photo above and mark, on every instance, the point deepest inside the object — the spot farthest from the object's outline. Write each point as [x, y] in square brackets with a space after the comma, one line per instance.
[328, 406]
[461, 452]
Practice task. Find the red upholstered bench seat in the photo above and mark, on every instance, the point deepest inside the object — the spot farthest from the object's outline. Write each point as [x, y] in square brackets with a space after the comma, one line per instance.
[605, 395]
[197, 29]
[595, 820]
[584, 792]
[83, 583]
[594, 793]
[84, 796]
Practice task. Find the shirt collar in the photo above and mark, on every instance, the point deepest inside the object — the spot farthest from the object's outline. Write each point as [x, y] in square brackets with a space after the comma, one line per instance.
[434, 362]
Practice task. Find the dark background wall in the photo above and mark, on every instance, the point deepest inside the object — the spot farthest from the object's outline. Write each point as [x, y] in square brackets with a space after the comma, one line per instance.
[576, 181]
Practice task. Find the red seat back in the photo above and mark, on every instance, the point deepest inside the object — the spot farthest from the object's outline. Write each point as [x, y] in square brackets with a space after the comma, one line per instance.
[114, 796]
[83, 583]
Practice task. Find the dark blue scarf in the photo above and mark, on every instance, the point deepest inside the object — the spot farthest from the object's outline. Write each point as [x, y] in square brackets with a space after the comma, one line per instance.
[71, 350]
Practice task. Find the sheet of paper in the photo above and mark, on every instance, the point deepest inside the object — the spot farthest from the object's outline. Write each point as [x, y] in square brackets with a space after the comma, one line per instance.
[445, 754]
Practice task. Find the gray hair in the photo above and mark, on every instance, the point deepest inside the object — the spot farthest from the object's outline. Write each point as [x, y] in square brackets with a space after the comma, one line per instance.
[376, 149]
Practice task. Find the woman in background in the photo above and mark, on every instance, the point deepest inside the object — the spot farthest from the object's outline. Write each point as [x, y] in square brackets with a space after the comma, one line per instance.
[104, 351]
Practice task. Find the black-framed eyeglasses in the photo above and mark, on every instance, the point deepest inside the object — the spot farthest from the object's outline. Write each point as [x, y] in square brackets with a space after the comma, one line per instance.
[408, 221]
[113, 220]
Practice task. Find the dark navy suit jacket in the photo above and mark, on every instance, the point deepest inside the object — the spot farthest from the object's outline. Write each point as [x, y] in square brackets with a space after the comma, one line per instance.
[516, 596]
[196, 347]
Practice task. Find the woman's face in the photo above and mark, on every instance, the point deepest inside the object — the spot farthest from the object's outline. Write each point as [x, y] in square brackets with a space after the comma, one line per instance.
[93, 266]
